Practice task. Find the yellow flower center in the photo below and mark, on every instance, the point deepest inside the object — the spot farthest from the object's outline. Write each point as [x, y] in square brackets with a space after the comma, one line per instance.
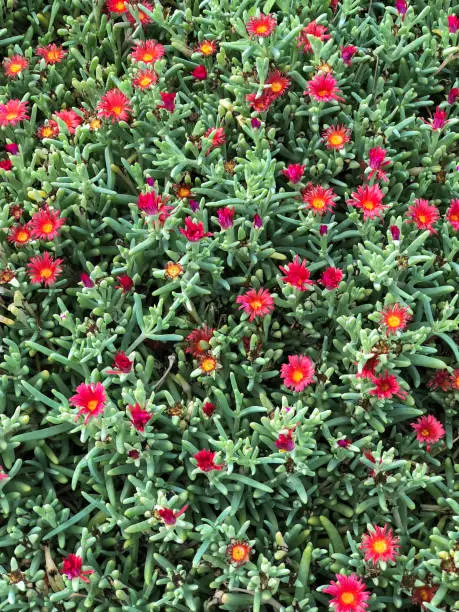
[322, 93]
[206, 48]
[11, 115]
[276, 86]
[46, 132]
[184, 192]
[261, 29]
[53, 56]
[46, 273]
[208, 364]
[422, 218]
[15, 68]
[393, 320]
[117, 110]
[256, 304]
[297, 375]
[238, 552]
[47, 227]
[347, 597]
[425, 432]
[92, 405]
[120, 6]
[22, 236]
[145, 81]
[147, 57]
[380, 546]
[368, 204]
[318, 203]
[173, 270]
[95, 124]
[336, 139]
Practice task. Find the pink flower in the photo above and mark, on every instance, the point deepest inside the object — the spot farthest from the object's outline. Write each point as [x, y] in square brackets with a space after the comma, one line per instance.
[347, 53]
[256, 303]
[297, 274]
[380, 544]
[439, 119]
[402, 7]
[453, 24]
[169, 517]
[348, 593]
[3, 476]
[440, 380]
[205, 460]
[395, 231]
[428, 429]
[122, 362]
[257, 221]
[168, 101]
[90, 398]
[217, 138]
[194, 231]
[114, 105]
[86, 280]
[424, 215]
[12, 148]
[199, 73]
[225, 217]
[312, 29]
[452, 214]
[453, 95]
[139, 417]
[298, 373]
[323, 88]
[294, 172]
[387, 386]
[255, 123]
[369, 368]
[72, 566]
[285, 442]
[323, 230]
[369, 199]
[153, 204]
[377, 161]
[331, 278]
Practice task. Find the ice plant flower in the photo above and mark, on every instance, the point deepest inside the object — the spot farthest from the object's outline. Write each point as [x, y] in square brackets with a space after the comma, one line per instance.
[119, 7]
[428, 430]
[139, 416]
[440, 380]
[423, 594]
[260, 103]
[182, 191]
[168, 101]
[173, 270]
[199, 73]
[312, 29]
[323, 230]
[13, 66]
[261, 26]
[369, 199]
[386, 386]
[86, 280]
[114, 105]
[380, 544]
[20, 235]
[438, 121]
[45, 224]
[453, 95]
[122, 363]
[255, 123]
[238, 552]
[347, 53]
[49, 129]
[169, 517]
[453, 24]
[6, 164]
[12, 112]
[257, 221]
[331, 278]
[147, 51]
[3, 476]
[72, 567]
[256, 303]
[423, 215]
[377, 160]
[285, 442]
[144, 79]
[225, 217]
[368, 370]
[319, 199]
[394, 318]
[91, 400]
[206, 48]
[349, 594]
[297, 274]
[395, 232]
[208, 364]
[208, 409]
[194, 231]
[277, 83]
[52, 54]
[153, 204]
[12, 148]
[294, 173]
[71, 119]
[205, 460]
[125, 283]
[323, 88]
[217, 138]
[298, 373]
[143, 17]
[452, 214]
[401, 7]
[198, 341]
[336, 136]
[44, 269]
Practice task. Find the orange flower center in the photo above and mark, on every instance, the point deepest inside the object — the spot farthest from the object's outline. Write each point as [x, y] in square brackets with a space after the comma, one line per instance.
[262, 28]
[297, 375]
[15, 68]
[47, 227]
[368, 204]
[117, 110]
[184, 192]
[425, 433]
[46, 132]
[393, 320]
[147, 57]
[454, 217]
[53, 56]
[239, 552]
[380, 546]
[276, 86]
[336, 139]
[22, 236]
[92, 405]
[173, 270]
[206, 48]
[318, 203]
[322, 93]
[12, 115]
[348, 597]
[95, 124]
[120, 6]
[422, 218]
[425, 595]
[46, 273]
[208, 364]
[256, 304]
[145, 81]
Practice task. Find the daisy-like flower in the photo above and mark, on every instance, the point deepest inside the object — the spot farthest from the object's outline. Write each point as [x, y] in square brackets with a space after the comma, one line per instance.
[386, 386]
[114, 105]
[424, 215]
[260, 103]
[118, 7]
[143, 17]
[440, 380]
[198, 341]
[48, 130]
[206, 48]
[72, 567]
[168, 101]
[238, 552]
[90, 399]
[318, 199]
[182, 191]
[144, 79]
[285, 442]
[147, 51]
[277, 83]
[368, 370]
[380, 544]
[208, 409]
[369, 199]
[452, 214]
[125, 283]
[71, 119]
[294, 172]
[45, 224]
[217, 138]
[394, 318]
[377, 161]
[312, 29]
[199, 73]
[261, 26]
[297, 274]
[428, 430]
[205, 460]
[194, 231]
[44, 269]
[16, 211]
[169, 517]
[298, 373]
[453, 24]
[208, 364]
[13, 66]
[20, 235]
[153, 204]
[453, 95]
[52, 54]
[423, 594]
[139, 416]
[323, 88]
[347, 53]
[438, 121]
[349, 594]
[336, 136]
[173, 270]
[331, 278]
[12, 112]
[6, 275]
[225, 217]
[256, 303]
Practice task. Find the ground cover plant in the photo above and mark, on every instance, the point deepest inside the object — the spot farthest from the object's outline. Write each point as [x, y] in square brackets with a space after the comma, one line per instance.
[229, 365]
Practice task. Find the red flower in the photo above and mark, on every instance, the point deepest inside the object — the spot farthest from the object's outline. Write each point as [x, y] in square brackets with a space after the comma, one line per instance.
[238, 552]
[125, 283]
[386, 387]
[225, 217]
[298, 373]
[402, 7]
[14, 65]
[423, 594]
[71, 119]
[262, 26]
[13, 112]
[122, 362]
[169, 517]
[198, 341]
[285, 442]
[143, 17]
[144, 79]
[369, 199]
[114, 105]
[194, 231]
[395, 232]
[343, 443]
[297, 274]
[347, 53]
[147, 51]
[294, 173]
[318, 199]
[206, 47]
[440, 380]
[439, 119]
[323, 88]
[257, 221]
[153, 204]
[260, 103]
[312, 29]
[86, 280]
[348, 593]
[218, 138]
[377, 161]
[6, 164]
[278, 83]
[20, 235]
[453, 24]
[331, 278]
[428, 429]
[52, 54]
[44, 269]
[424, 215]
[256, 303]
[373, 473]
[205, 460]
[45, 224]
[117, 6]
[336, 136]
[369, 368]
[452, 214]
[199, 73]
[208, 409]
[90, 398]
[380, 544]
[453, 95]
[3, 476]
[72, 566]
[139, 417]
[394, 318]
[168, 101]
[49, 129]
[12, 148]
